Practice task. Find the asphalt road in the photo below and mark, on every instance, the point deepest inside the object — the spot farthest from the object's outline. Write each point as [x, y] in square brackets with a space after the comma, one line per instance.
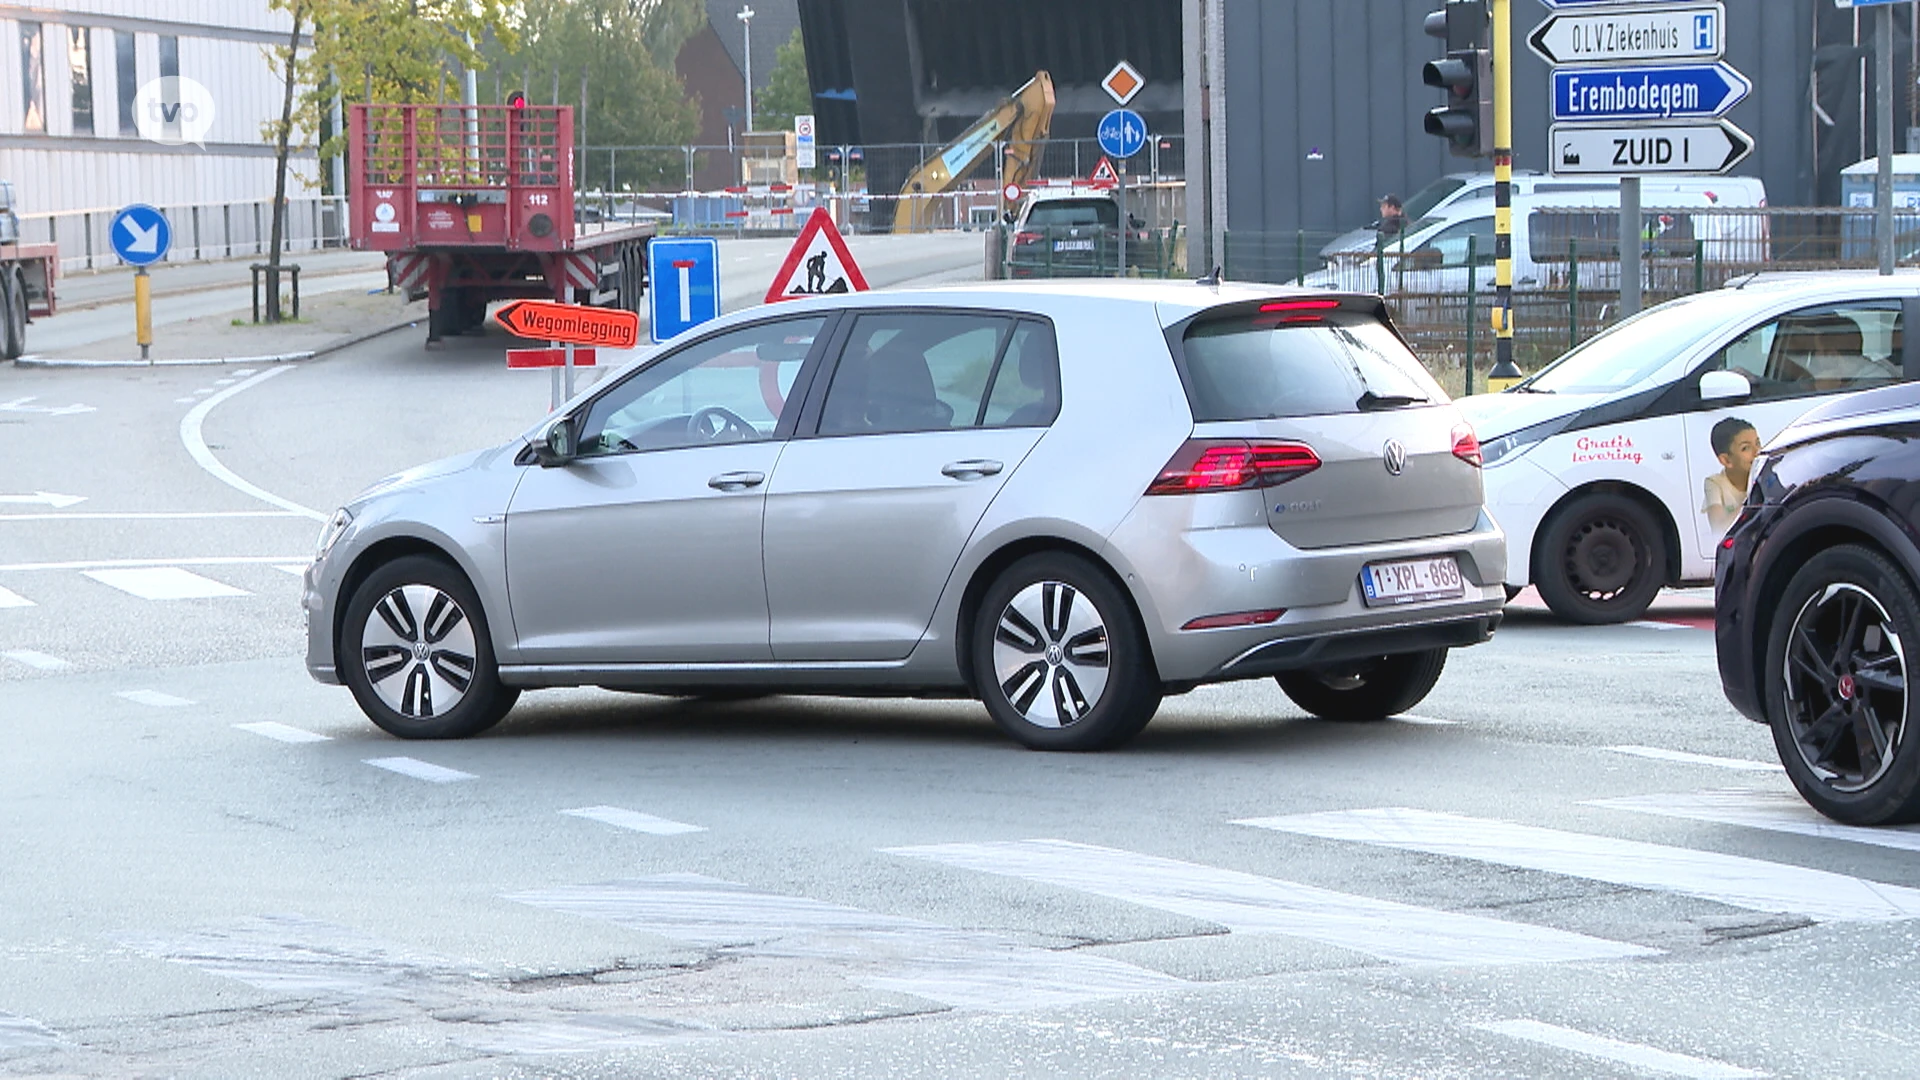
[1576, 860]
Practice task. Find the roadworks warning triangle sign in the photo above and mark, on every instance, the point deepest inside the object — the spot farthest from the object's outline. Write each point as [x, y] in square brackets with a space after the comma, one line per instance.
[1103, 174]
[818, 265]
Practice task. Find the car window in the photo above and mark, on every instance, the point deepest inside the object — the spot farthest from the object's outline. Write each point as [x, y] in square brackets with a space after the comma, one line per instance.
[1061, 213]
[922, 371]
[1448, 249]
[1424, 200]
[1265, 368]
[732, 387]
[1827, 349]
[1026, 388]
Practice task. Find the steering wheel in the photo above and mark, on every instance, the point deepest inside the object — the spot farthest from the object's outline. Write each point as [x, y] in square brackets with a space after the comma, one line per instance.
[717, 423]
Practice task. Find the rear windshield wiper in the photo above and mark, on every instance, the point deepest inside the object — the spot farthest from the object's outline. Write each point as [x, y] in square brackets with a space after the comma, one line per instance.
[1371, 401]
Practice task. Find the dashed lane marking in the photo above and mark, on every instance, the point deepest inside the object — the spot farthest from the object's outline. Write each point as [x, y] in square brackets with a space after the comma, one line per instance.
[10, 599]
[20, 1033]
[1633, 1055]
[153, 699]
[420, 770]
[125, 564]
[283, 732]
[164, 583]
[633, 819]
[1655, 753]
[296, 569]
[38, 660]
[1423, 721]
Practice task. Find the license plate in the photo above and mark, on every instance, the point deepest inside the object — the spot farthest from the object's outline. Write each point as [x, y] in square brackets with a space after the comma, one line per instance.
[1073, 245]
[1411, 580]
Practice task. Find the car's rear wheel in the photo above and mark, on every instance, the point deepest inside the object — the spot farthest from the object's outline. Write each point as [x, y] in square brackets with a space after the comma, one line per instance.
[1059, 657]
[1601, 560]
[13, 317]
[416, 654]
[1371, 689]
[1843, 721]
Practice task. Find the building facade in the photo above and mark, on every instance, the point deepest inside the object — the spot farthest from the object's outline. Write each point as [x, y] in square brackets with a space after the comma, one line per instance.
[72, 76]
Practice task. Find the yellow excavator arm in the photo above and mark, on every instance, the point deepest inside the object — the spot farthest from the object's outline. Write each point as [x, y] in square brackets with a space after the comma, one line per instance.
[1021, 121]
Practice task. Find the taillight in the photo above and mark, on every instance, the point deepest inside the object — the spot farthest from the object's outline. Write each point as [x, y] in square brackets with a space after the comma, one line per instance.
[1238, 618]
[1466, 445]
[1203, 465]
[1022, 239]
[1299, 305]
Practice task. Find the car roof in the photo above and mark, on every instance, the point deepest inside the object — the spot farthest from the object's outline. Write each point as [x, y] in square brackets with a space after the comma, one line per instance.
[1040, 195]
[1175, 299]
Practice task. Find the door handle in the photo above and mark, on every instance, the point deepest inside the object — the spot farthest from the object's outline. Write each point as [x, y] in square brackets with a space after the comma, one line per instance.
[737, 481]
[971, 470]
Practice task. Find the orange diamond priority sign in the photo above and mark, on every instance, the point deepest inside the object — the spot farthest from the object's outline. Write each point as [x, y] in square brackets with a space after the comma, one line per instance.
[1122, 83]
[571, 324]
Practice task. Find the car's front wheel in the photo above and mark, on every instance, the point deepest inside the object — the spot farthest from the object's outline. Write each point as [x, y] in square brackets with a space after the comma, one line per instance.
[1059, 657]
[415, 652]
[1601, 560]
[1837, 687]
[1371, 689]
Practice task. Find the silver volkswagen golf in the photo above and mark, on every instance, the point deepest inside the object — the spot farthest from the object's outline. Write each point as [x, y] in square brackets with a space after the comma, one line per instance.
[1063, 500]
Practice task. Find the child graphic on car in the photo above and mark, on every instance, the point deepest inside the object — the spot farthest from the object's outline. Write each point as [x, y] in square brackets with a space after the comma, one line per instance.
[1736, 444]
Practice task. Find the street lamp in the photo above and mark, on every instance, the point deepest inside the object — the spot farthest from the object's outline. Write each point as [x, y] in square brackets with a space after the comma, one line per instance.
[746, 30]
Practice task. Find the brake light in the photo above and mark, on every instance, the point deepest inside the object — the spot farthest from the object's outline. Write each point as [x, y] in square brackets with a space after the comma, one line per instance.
[1202, 465]
[1298, 305]
[1466, 445]
[1021, 239]
[1238, 618]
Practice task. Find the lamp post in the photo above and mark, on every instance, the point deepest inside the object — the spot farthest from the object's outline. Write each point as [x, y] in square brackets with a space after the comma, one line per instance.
[746, 30]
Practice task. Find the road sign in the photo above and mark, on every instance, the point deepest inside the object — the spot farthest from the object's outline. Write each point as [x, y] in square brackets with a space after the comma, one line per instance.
[1678, 92]
[1635, 149]
[1590, 5]
[1630, 34]
[1011, 193]
[1103, 175]
[803, 144]
[818, 265]
[571, 324]
[546, 358]
[1123, 83]
[683, 276]
[140, 235]
[1865, 3]
[1122, 133]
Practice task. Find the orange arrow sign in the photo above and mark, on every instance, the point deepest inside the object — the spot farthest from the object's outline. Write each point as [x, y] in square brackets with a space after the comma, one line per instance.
[571, 324]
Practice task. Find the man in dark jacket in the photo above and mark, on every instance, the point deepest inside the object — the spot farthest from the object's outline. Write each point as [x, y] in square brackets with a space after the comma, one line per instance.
[1393, 219]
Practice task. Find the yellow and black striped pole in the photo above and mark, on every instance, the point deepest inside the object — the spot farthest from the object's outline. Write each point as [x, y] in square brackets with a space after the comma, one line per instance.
[1504, 373]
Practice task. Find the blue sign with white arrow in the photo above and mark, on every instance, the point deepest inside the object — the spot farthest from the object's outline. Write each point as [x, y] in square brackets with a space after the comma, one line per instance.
[1677, 92]
[140, 235]
[683, 280]
[1122, 133]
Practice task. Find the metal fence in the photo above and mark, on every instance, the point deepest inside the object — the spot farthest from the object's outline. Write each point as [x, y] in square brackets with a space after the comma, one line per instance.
[201, 231]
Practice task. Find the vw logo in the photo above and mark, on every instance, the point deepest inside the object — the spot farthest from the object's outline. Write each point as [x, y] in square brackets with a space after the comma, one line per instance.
[1395, 456]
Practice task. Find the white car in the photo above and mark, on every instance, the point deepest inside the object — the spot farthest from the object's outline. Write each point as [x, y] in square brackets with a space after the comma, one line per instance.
[1618, 468]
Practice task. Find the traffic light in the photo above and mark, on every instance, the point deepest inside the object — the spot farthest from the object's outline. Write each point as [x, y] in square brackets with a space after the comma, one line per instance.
[1466, 74]
[517, 99]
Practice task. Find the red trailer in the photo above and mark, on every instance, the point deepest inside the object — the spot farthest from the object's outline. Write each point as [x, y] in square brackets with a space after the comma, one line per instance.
[475, 203]
[27, 274]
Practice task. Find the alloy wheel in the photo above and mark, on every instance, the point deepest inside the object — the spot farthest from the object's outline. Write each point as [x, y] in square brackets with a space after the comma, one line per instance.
[418, 651]
[1846, 687]
[1051, 654]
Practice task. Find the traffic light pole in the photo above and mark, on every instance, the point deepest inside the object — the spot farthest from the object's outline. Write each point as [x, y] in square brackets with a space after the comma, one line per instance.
[1504, 373]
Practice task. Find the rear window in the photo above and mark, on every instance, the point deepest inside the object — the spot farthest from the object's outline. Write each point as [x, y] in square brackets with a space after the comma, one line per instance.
[1258, 367]
[1058, 213]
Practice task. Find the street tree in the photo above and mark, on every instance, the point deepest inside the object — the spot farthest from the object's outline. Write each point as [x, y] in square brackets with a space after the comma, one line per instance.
[787, 93]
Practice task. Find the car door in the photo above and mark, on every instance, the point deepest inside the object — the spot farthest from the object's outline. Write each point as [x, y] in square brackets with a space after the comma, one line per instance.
[926, 415]
[647, 546]
[1793, 363]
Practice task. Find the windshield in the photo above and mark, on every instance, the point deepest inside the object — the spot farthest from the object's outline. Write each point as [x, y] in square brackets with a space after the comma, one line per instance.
[1257, 367]
[1428, 197]
[1061, 213]
[1628, 352]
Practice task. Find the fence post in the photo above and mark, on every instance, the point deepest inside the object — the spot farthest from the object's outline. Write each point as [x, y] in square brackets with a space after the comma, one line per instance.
[1300, 256]
[1473, 292]
[86, 230]
[1573, 291]
[1225, 263]
[196, 232]
[259, 241]
[226, 227]
[1699, 265]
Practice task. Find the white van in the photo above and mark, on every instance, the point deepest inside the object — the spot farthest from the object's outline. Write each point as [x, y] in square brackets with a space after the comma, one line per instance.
[1551, 226]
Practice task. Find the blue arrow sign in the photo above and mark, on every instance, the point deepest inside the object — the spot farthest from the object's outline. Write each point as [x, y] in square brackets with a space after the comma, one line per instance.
[140, 235]
[683, 281]
[1122, 133]
[1680, 92]
[1865, 3]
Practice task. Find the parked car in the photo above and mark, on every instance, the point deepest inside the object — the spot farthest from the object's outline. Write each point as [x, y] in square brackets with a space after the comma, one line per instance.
[1066, 500]
[1817, 610]
[1074, 232]
[1617, 468]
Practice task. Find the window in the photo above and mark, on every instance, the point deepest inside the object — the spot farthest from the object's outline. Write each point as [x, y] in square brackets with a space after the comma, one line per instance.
[33, 79]
[1066, 213]
[1258, 368]
[1448, 250]
[919, 371]
[169, 57]
[1819, 350]
[730, 388]
[126, 80]
[80, 65]
[1423, 201]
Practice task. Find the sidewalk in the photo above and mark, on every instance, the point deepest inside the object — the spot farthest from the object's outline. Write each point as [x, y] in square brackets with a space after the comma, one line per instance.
[328, 320]
[81, 289]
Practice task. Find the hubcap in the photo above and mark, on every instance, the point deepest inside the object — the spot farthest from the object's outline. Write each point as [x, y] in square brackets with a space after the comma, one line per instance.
[1846, 687]
[1050, 654]
[418, 651]
[1603, 557]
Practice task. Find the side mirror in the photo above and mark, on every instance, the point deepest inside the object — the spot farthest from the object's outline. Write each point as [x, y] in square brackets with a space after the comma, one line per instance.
[560, 445]
[1724, 386]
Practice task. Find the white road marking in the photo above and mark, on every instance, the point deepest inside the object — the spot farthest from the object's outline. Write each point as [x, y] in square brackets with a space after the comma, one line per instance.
[243, 373]
[196, 444]
[283, 732]
[1251, 904]
[1633, 1055]
[296, 569]
[420, 770]
[1423, 721]
[43, 498]
[153, 698]
[164, 583]
[1738, 764]
[1775, 811]
[962, 968]
[1727, 879]
[303, 958]
[116, 564]
[1650, 624]
[184, 400]
[203, 391]
[633, 819]
[227, 381]
[9, 598]
[149, 515]
[20, 1033]
[38, 660]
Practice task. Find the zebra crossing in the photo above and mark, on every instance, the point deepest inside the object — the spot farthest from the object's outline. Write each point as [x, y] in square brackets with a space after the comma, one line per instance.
[150, 579]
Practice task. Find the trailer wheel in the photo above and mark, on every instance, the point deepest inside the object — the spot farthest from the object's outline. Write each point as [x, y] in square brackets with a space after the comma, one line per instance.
[13, 319]
[473, 310]
[444, 321]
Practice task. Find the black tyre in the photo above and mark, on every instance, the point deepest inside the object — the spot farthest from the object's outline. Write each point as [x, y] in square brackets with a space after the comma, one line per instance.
[446, 320]
[1371, 689]
[1059, 657]
[1601, 560]
[13, 315]
[415, 652]
[473, 311]
[1836, 670]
